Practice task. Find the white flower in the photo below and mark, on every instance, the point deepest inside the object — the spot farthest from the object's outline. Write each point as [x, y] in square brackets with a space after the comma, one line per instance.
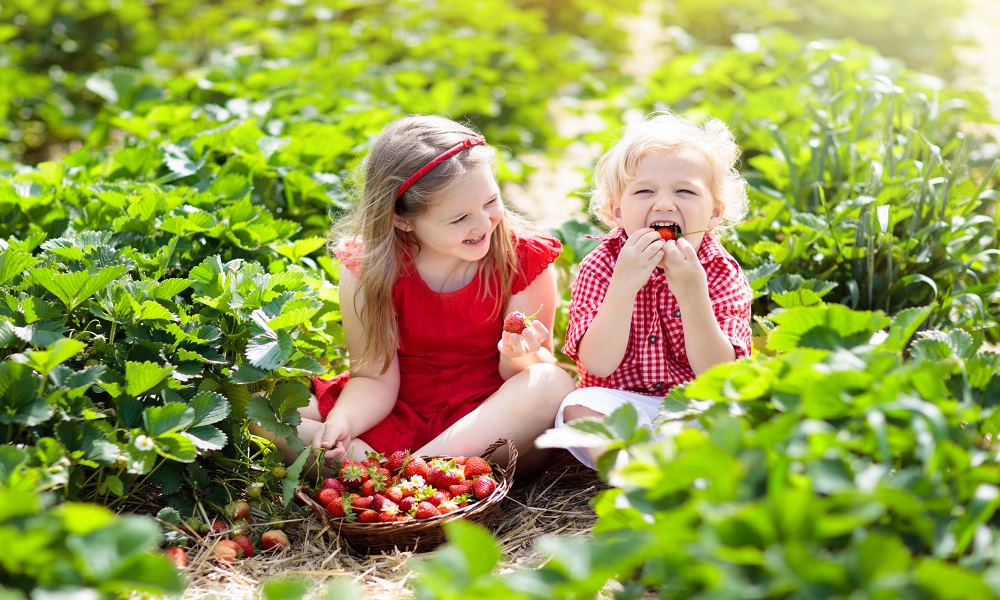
[143, 443]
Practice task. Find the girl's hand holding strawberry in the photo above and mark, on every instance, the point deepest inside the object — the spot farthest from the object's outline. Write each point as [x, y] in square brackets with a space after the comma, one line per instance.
[529, 341]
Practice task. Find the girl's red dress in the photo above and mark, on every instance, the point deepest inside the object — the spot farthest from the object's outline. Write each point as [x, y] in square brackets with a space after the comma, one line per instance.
[448, 356]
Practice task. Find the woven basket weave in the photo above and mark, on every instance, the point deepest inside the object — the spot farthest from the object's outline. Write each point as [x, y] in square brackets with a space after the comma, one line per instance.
[419, 535]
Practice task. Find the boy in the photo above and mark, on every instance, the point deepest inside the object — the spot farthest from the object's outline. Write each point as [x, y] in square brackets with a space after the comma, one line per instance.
[660, 300]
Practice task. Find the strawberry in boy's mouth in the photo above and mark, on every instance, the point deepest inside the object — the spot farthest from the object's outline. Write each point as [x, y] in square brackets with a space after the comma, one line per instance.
[672, 231]
[668, 231]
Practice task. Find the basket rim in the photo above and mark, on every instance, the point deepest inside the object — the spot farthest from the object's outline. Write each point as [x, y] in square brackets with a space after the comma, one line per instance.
[504, 476]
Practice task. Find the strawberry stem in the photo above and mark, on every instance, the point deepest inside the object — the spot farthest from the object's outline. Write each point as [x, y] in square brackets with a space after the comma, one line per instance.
[696, 231]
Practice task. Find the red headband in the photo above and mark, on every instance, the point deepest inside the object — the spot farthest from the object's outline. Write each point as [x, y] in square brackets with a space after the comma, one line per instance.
[468, 143]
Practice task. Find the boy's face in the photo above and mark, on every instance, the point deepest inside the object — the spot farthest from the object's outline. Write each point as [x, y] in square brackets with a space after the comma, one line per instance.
[670, 187]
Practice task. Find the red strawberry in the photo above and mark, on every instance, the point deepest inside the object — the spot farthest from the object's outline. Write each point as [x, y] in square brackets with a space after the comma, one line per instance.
[483, 486]
[336, 507]
[378, 500]
[327, 495]
[459, 489]
[353, 473]
[407, 503]
[670, 231]
[396, 461]
[394, 493]
[177, 555]
[476, 466]
[426, 510]
[438, 497]
[238, 510]
[246, 546]
[387, 517]
[219, 526]
[416, 466]
[368, 516]
[368, 488]
[363, 502]
[274, 539]
[517, 321]
[226, 551]
[373, 459]
[333, 484]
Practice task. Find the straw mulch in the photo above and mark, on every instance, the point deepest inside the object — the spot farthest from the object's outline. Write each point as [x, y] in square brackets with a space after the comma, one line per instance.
[557, 502]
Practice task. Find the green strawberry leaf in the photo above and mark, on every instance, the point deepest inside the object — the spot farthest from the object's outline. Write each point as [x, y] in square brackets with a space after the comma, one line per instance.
[56, 353]
[143, 377]
[269, 351]
[170, 417]
[176, 446]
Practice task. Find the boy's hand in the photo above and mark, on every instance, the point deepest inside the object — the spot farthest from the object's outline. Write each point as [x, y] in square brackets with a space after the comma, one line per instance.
[334, 436]
[529, 341]
[642, 252]
[681, 268]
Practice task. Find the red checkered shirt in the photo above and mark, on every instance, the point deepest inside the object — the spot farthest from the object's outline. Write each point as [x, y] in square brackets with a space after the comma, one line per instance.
[655, 359]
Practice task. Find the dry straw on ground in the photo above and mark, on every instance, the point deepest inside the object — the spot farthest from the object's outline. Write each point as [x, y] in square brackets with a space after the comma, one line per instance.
[557, 502]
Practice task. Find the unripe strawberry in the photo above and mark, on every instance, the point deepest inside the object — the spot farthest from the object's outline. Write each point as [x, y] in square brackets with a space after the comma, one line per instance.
[176, 555]
[278, 472]
[238, 510]
[274, 539]
[226, 551]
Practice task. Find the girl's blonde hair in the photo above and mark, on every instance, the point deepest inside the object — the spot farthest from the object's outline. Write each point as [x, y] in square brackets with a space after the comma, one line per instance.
[663, 132]
[405, 146]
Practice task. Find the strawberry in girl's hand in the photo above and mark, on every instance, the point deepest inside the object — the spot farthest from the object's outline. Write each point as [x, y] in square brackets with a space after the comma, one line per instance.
[517, 321]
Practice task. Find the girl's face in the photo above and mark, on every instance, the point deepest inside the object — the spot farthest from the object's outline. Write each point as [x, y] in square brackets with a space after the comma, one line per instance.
[461, 219]
[670, 187]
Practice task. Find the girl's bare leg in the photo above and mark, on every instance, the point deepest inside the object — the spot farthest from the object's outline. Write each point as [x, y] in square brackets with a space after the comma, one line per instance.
[523, 408]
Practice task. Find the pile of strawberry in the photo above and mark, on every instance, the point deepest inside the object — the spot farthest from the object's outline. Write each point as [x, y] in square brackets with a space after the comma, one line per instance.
[403, 487]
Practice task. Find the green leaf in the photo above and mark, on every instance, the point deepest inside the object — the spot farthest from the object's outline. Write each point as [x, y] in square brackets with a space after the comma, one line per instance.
[295, 250]
[947, 581]
[176, 446]
[13, 263]
[904, 325]
[41, 334]
[209, 408]
[207, 437]
[293, 318]
[292, 476]
[74, 288]
[21, 400]
[153, 311]
[269, 351]
[113, 485]
[168, 288]
[243, 374]
[169, 417]
[57, 353]
[143, 377]
[285, 588]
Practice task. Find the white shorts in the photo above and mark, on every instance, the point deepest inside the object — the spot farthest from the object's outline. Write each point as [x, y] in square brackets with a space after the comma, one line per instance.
[605, 401]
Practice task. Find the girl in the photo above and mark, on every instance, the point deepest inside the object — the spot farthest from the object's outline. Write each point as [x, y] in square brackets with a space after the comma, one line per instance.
[433, 262]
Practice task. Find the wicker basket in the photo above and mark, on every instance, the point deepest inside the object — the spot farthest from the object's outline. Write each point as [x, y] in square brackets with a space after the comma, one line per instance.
[419, 535]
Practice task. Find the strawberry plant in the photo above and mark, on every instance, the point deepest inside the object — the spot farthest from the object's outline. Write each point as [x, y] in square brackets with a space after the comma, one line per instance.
[854, 461]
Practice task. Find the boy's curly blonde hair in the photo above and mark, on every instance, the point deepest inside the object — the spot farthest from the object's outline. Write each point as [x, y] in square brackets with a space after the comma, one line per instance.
[661, 133]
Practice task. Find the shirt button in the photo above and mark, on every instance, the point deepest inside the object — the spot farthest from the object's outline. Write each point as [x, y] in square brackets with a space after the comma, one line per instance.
[677, 313]
[657, 385]
[652, 339]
